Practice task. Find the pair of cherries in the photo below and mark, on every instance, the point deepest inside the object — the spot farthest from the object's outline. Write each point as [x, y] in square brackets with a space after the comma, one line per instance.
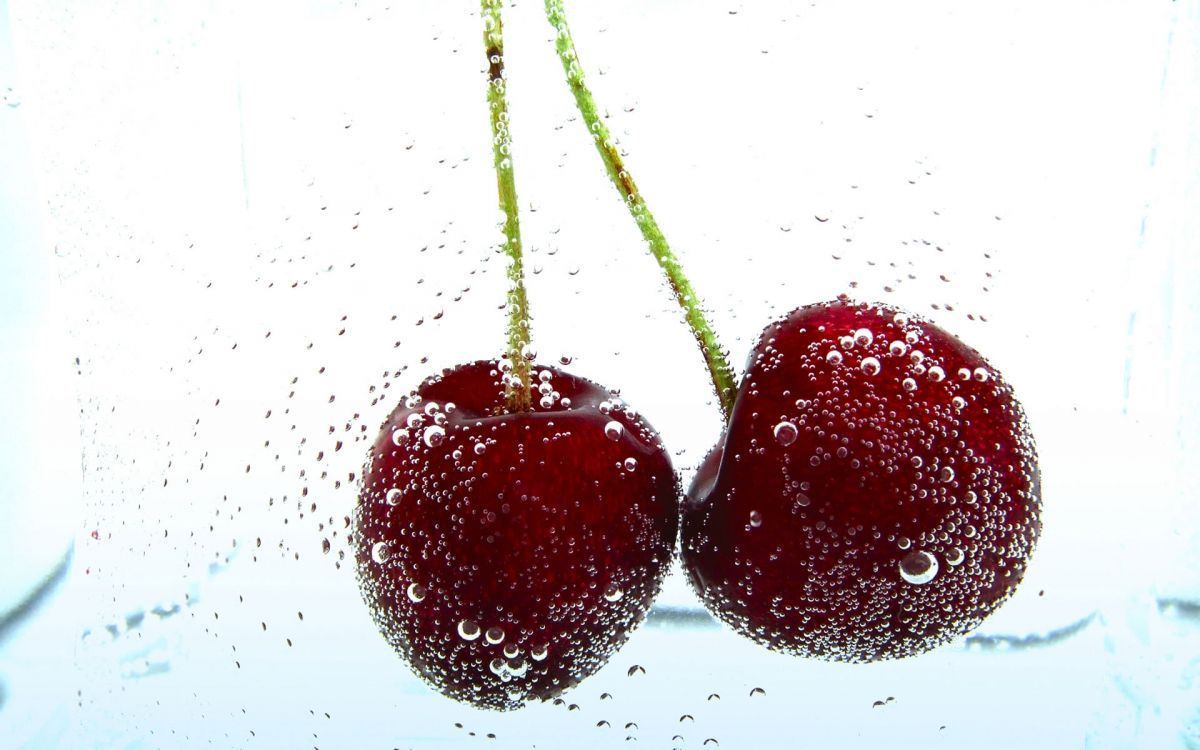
[874, 495]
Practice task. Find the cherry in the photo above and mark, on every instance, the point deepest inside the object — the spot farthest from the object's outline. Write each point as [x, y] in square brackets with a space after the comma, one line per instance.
[506, 556]
[874, 495]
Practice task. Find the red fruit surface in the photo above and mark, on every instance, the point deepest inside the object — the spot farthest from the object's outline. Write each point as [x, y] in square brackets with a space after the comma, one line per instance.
[874, 495]
[507, 556]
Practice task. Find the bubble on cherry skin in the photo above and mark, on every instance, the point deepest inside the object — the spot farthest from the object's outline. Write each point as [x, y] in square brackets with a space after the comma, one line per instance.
[946, 474]
[398, 437]
[511, 650]
[434, 436]
[898, 348]
[416, 593]
[958, 402]
[539, 652]
[834, 357]
[870, 365]
[964, 373]
[755, 519]
[863, 337]
[468, 630]
[380, 552]
[903, 542]
[981, 375]
[918, 567]
[786, 433]
[480, 449]
[954, 556]
[909, 384]
[630, 464]
[392, 497]
[494, 635]
[614, 430]
[613, 593]
[937, 374]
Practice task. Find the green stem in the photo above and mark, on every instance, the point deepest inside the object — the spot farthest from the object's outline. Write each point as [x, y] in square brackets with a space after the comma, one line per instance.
[517, 388]
[718, 364]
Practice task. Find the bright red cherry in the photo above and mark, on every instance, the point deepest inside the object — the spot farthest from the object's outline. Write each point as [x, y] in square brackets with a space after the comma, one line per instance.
[506, 556]
[875, 493]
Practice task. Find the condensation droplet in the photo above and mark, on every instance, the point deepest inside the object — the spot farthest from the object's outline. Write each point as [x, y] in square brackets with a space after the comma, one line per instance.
[494, 635]
[468, 630]
[755, 519]
[416, 592]
[614, 430]
[870, 366]
[380, 552]
[918, 567]
[786, 433]
[613, 593]
[434, 435]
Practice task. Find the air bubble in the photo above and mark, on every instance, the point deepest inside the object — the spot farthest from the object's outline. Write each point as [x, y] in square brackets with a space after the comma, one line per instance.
[870, 366]
[392, 497]
[539, 652]
[494, 635]
[468, 630]
[380, 552]
[414, 421]
[863, 337]
[946, 474]
[630, 464]
[937, 374]
[434, 436]
[918, 567]
[416, 592]
[912, 337]
[903, 542]
[614, 430]
[909, 384]
[398, 437]
[511, 651]
[917, 462]
[480, 448]
[613, 593]
[954, 556]
[958, 402]
[964, 373]
[755, 519]
[834, 357]
[897, 348]
[786, 433]
[981, 375]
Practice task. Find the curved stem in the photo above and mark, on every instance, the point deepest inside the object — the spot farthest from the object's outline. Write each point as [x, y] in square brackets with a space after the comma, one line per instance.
[718, 364]
[517, 387]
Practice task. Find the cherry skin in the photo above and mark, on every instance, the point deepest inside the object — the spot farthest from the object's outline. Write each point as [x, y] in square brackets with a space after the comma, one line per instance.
[506, 556]
[875, 494]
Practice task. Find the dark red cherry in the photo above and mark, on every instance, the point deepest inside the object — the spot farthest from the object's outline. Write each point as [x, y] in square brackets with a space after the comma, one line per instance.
[506, 556]
[875, 493]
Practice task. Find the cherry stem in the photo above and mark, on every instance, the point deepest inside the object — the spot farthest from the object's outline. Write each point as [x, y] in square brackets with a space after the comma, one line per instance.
[517, 386]
[618, 172]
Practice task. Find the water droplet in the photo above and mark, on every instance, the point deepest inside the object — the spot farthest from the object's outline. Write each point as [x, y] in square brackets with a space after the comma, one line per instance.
[937, 374]
[863, 337]
[981, 375]
[954, 556]
[468, 630]
[946, 474]
[755, 518]
[416, 592]
[434, 435]
[614, 430]
[918, 567]
[539, 652]
[834, 357]
[380, 552]
[786, 433]
[494, 635]
[630, 464]
[613, 593]
[909, 384]
[393, 496]
[870, 366]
